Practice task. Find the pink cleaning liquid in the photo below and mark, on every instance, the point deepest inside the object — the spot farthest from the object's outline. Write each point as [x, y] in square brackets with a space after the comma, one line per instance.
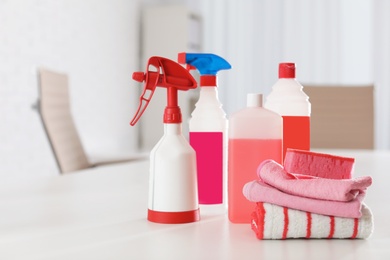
[209, 161]
[244, 156]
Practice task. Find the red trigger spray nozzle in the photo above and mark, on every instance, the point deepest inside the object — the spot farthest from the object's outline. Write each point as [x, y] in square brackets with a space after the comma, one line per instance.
[162, 72]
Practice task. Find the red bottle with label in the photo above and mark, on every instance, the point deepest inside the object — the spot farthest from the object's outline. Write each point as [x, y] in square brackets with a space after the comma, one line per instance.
[290, 101]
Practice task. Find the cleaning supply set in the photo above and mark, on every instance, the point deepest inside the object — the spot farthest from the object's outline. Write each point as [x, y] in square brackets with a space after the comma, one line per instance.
[297, 205]
[208, 127]
[297, 193]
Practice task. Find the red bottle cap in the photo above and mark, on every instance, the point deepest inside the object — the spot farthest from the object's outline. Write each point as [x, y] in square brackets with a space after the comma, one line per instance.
[287, 70]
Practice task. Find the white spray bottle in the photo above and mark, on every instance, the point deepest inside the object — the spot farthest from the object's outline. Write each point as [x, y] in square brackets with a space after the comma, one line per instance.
[173, 196]
[208, 127]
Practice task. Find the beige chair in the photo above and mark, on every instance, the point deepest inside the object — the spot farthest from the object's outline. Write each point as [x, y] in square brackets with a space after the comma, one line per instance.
[55, 111]
[342, 116]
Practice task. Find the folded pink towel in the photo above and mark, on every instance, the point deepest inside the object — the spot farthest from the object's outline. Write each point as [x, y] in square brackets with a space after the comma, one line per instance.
[258, 191]
[318, 164]
[270, 221]
[273, 174]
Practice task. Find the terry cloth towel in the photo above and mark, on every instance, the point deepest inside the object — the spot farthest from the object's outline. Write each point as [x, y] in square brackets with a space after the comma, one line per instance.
[273, 174]
[318, 164]
[258, 191]
[270, 221]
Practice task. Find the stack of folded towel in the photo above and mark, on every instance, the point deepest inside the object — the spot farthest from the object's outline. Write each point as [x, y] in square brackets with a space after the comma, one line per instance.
[319, 200]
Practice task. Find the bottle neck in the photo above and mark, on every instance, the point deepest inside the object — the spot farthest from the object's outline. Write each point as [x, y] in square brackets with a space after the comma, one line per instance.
[173, 129]
[208, 95]
[288, 83]
[208, 81]
[172, 112]
[288, 98]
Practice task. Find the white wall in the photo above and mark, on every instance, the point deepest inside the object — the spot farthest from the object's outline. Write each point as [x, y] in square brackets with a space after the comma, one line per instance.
[328, 40]
[381, 69]
[96, 43]
[331, 41]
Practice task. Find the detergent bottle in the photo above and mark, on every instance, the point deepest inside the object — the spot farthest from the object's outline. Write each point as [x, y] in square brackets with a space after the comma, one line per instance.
[173, 195]
[288, 100]
[208, 127]
[255, 135]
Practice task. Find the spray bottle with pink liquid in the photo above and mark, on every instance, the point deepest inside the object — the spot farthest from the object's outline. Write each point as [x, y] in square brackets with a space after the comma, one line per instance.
[173, 195]
[208, 127]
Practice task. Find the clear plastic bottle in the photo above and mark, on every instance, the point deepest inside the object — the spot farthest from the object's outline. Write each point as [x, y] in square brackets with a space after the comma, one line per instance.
[255, 134]
[288, 100]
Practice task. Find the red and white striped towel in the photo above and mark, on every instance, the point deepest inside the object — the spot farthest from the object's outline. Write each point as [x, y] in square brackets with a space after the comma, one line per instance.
[270, 221]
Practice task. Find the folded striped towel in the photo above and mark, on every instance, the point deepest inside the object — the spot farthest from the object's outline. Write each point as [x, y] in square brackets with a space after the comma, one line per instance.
[270, 221]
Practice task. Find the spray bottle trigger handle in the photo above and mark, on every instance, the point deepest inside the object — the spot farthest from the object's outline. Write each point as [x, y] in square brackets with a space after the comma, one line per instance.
[150, 85]
[143, 104]
[140, 77]
[141, 108]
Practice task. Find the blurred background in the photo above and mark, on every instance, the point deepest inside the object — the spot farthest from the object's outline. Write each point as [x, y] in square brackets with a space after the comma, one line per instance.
[99, 43]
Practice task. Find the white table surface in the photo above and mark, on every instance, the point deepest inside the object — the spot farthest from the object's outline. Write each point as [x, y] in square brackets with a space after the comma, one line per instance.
[101, 214]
